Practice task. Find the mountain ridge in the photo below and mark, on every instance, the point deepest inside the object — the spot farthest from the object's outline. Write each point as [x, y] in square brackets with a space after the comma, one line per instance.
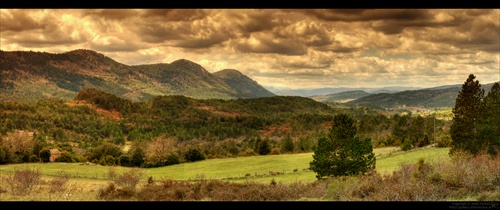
[30, 76]
[437, 97]
[242, 83]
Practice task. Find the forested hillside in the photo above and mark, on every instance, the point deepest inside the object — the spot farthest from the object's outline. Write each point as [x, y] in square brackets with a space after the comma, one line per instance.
[438, 97]
[31, 76]
[94, 123]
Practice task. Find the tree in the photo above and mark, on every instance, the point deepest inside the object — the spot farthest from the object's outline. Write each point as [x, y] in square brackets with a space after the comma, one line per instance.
[341, 153]
[489, 126]
[263, 146]
[137, 155]
[159, 150]
[465, 121]
[194, 154]
[104, 150]
[287, 144]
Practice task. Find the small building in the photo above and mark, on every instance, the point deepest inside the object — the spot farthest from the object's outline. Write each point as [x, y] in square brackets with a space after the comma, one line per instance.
[54, 153]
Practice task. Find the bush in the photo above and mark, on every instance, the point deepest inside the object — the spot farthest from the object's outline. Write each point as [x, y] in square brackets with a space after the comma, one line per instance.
[264, 147]
[67, 157]
[129, 179]
[23, 182]
[194, 154]
[34, 159]
[173, 159]
[124, 160]
[57, 184]
[406, 145]
[275, 151]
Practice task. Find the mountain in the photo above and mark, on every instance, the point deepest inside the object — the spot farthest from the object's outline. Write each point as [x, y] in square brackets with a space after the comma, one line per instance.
[340, 97]
[246, 87]
[183, 77]
[437, 97]
[30, 76]
[326, 91]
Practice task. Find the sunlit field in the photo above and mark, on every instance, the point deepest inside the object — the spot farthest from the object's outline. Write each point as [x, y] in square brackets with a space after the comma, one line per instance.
[86, 180]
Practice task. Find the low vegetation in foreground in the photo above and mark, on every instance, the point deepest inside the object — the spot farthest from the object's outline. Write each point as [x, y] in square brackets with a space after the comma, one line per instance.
[461, 178]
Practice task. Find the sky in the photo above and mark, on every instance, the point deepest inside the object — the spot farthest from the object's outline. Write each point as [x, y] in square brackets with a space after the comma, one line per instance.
[281, 48]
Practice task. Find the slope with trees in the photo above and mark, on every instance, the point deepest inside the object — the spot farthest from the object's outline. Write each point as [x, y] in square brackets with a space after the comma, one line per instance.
[341, 152]
[475, 126]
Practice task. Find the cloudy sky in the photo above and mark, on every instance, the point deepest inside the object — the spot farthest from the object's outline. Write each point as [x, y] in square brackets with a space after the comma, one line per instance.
[294, 48]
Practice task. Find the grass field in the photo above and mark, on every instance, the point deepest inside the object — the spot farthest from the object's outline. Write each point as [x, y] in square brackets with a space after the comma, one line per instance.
[284, 168]
[86, 180]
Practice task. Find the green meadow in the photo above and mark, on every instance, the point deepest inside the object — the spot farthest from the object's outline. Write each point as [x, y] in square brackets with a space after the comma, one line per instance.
[286, 168]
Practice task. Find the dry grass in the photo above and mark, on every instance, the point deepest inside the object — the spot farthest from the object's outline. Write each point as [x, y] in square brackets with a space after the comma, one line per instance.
[464, 178]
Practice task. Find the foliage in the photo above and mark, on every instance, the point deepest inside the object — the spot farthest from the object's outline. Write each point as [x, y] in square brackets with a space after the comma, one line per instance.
[263, 146]
[406, 145]
[137, 155]
[287, 145]
[67, 157]
[489, 126]
[220, 128]
[194, 154]
[45, 155]
[23, 182]
[104, 151]
[475, 124]
[466, 116]
[341, 153]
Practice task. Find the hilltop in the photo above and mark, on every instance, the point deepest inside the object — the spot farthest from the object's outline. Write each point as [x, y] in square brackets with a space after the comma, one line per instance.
[30, 76]
[437, 97]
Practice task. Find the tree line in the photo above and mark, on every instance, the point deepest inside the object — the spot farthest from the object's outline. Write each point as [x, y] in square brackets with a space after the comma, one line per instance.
[213, 128]
[475, 130]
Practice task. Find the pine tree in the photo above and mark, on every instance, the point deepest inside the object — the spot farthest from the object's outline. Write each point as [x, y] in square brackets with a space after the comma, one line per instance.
[467, 110]
[341, 153]
[489, 128]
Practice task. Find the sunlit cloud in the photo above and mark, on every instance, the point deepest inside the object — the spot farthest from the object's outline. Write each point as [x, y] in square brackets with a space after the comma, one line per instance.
[296, 48]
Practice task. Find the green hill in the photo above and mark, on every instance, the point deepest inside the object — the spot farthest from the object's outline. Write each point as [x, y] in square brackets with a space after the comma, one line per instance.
[31, 76]
[438, 97]
[246, 87]
[340, 97]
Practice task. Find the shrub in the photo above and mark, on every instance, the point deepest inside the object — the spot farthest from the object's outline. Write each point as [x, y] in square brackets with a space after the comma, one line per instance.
[129, 179]
[406, 145]
[194, 154]
[57, 184]
[23, 182]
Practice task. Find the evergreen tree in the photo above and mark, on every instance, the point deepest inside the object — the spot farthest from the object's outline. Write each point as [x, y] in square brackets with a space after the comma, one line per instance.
[264, 147]
[489, 128]
[341, 153]
[287, 144]
[467, 110]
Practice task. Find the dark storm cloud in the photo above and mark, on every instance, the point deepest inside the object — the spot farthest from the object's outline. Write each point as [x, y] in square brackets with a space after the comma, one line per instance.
[283, 47]
[18, 21]
[355, 15]
[338, 49]
[160, 32]
[207, 42]
[308, 46]
[175, 15]
[115, 45]
[111, 14]
[41, 31]
[253, 21]
[184, 28]
[305, 65]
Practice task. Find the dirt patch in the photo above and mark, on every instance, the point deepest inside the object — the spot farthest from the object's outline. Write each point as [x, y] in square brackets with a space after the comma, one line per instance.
[113, 113]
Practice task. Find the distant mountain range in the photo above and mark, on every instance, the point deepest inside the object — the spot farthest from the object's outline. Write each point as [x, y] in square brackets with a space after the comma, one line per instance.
[30, 76]
[385, 97]
[341, 97]
[326, 91]
[437, 97]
